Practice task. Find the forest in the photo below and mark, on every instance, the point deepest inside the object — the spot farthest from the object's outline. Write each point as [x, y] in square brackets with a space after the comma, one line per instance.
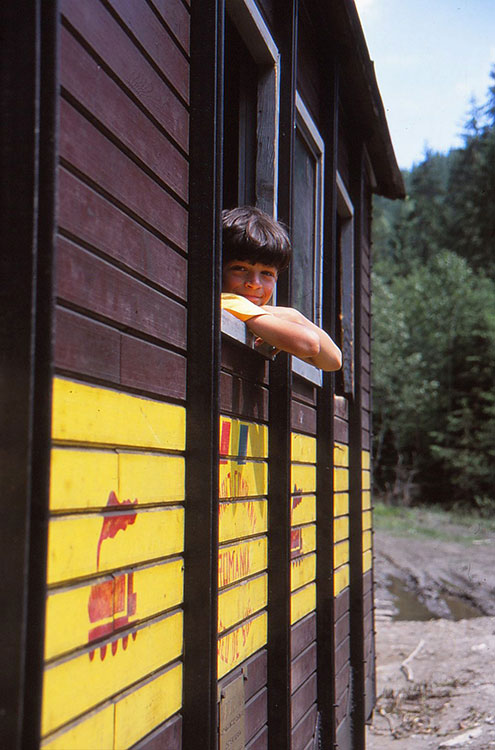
[434, 327]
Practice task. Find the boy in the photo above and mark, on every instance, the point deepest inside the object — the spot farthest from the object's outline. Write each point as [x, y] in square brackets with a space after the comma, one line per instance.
[256, 248]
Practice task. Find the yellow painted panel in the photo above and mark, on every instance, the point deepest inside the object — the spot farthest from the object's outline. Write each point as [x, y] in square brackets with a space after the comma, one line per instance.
[151, 478]
[147, 706]
[239, 438]
[341, 454]
[340, 504]
[367, 520]
[303, 448]
[88, 544]
[82, 479]
[340, 480]
[238, 644]
[302, 602]
[302, 571]
[366, 495]
[240, 519]
[303, 478]
[341, 529]
[241, 601]
[92, 733]
[365, 459]
[366, 540]
[74, 686]
[340, 554]
[302, 540]
[367, 560]
[366, 480]
[246, 479]
[340, 579]
[303, 509]
[241, 560]
[91, 414]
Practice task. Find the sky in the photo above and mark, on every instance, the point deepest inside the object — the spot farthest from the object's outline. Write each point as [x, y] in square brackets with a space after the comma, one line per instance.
[431, 58]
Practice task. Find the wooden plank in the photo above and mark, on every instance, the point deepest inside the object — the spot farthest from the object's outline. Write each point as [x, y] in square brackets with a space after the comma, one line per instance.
[341, 605]
[168, 736]
[366, 499]
[238, 644]
[255, 714]
[78, 615]
[341, 407]
[303, 540]
[177, 19]
[367, 560]
[86, 347]
[147, 706]
[341, 529]
[87, 215]
[95, 285]
[90, 414]
[260, 741]
[303, 391]
[303, 477]
[245, 399]
[92, 733]
[244, 362]
[117, 51]
[302, 602]
[82, 479]
[303, 418]
[340, 554]
[302, 571]
[303, 448]
[90, 85]
[302, 634]
[243, 439]
[155, 42]
[152, 369]
[341, 430]
[95, 156]
[303, 698]
[241, 601]
[342, 628]
[84, 545]
[303, 509]
[342, 654]
[97, 679]
[242, 518]
[243, 478]
[240, 560]
[341, 455]
[341, 579]
[340, 479]
[302, 667]
[302, 733]
[340, 504]
[342, 680]
[367, 520]
[255, 674]
[367, 543]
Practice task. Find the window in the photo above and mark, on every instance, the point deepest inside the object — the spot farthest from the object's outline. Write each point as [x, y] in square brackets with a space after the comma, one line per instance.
[345, 289]
[307, 222]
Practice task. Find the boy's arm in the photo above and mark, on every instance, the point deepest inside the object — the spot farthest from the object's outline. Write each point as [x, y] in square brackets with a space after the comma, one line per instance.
[328, 357]
[286, 335]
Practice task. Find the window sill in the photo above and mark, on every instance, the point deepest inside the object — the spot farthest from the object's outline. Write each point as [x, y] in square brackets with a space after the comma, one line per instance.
[237, 330]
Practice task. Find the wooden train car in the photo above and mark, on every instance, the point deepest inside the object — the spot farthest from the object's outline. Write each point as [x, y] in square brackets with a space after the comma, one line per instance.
[186, 524]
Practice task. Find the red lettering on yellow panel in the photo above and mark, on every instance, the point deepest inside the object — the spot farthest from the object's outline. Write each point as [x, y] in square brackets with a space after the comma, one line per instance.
[234, 647]
[112, 603]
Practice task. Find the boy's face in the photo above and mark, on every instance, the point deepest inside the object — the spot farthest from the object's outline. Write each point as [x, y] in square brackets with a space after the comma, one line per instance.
[255, 281]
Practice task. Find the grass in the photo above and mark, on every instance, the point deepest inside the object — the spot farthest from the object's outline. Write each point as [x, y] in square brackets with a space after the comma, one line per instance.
[432, 522]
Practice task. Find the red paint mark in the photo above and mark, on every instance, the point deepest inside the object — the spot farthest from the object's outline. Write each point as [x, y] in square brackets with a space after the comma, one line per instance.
[114, 523]
[230, 647]
[225, 441]
[233, 564]
[296, 542]
[113, 600]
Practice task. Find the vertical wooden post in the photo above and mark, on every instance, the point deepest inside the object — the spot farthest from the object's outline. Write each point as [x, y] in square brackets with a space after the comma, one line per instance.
[279, 657]
[324, 497]
[27, 219]
[202, 431]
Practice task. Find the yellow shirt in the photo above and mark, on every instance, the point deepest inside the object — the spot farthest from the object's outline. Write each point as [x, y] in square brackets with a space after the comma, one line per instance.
[240, 307]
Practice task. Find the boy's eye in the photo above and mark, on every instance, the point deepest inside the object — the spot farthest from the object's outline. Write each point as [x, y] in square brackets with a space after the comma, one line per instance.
[269, 273]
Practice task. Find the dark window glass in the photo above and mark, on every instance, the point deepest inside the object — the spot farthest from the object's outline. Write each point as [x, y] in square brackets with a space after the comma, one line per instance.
[303, 228]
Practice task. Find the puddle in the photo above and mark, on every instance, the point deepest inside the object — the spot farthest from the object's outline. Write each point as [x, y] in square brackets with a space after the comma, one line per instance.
[408, 606]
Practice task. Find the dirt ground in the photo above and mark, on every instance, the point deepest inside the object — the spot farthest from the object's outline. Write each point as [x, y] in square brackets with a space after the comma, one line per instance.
[435, 677]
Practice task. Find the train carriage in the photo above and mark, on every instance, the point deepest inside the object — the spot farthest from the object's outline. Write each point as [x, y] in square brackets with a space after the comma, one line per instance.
[187, 533]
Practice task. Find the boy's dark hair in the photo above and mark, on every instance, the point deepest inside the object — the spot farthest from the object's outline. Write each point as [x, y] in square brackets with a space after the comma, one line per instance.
[251, 234]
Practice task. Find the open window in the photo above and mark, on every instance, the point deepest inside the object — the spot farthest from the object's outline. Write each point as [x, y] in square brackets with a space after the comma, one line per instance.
[307, 225]
[345, 289]
[251, 106]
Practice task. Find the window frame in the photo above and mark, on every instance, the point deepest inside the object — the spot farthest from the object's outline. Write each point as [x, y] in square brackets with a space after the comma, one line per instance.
[345, 286]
